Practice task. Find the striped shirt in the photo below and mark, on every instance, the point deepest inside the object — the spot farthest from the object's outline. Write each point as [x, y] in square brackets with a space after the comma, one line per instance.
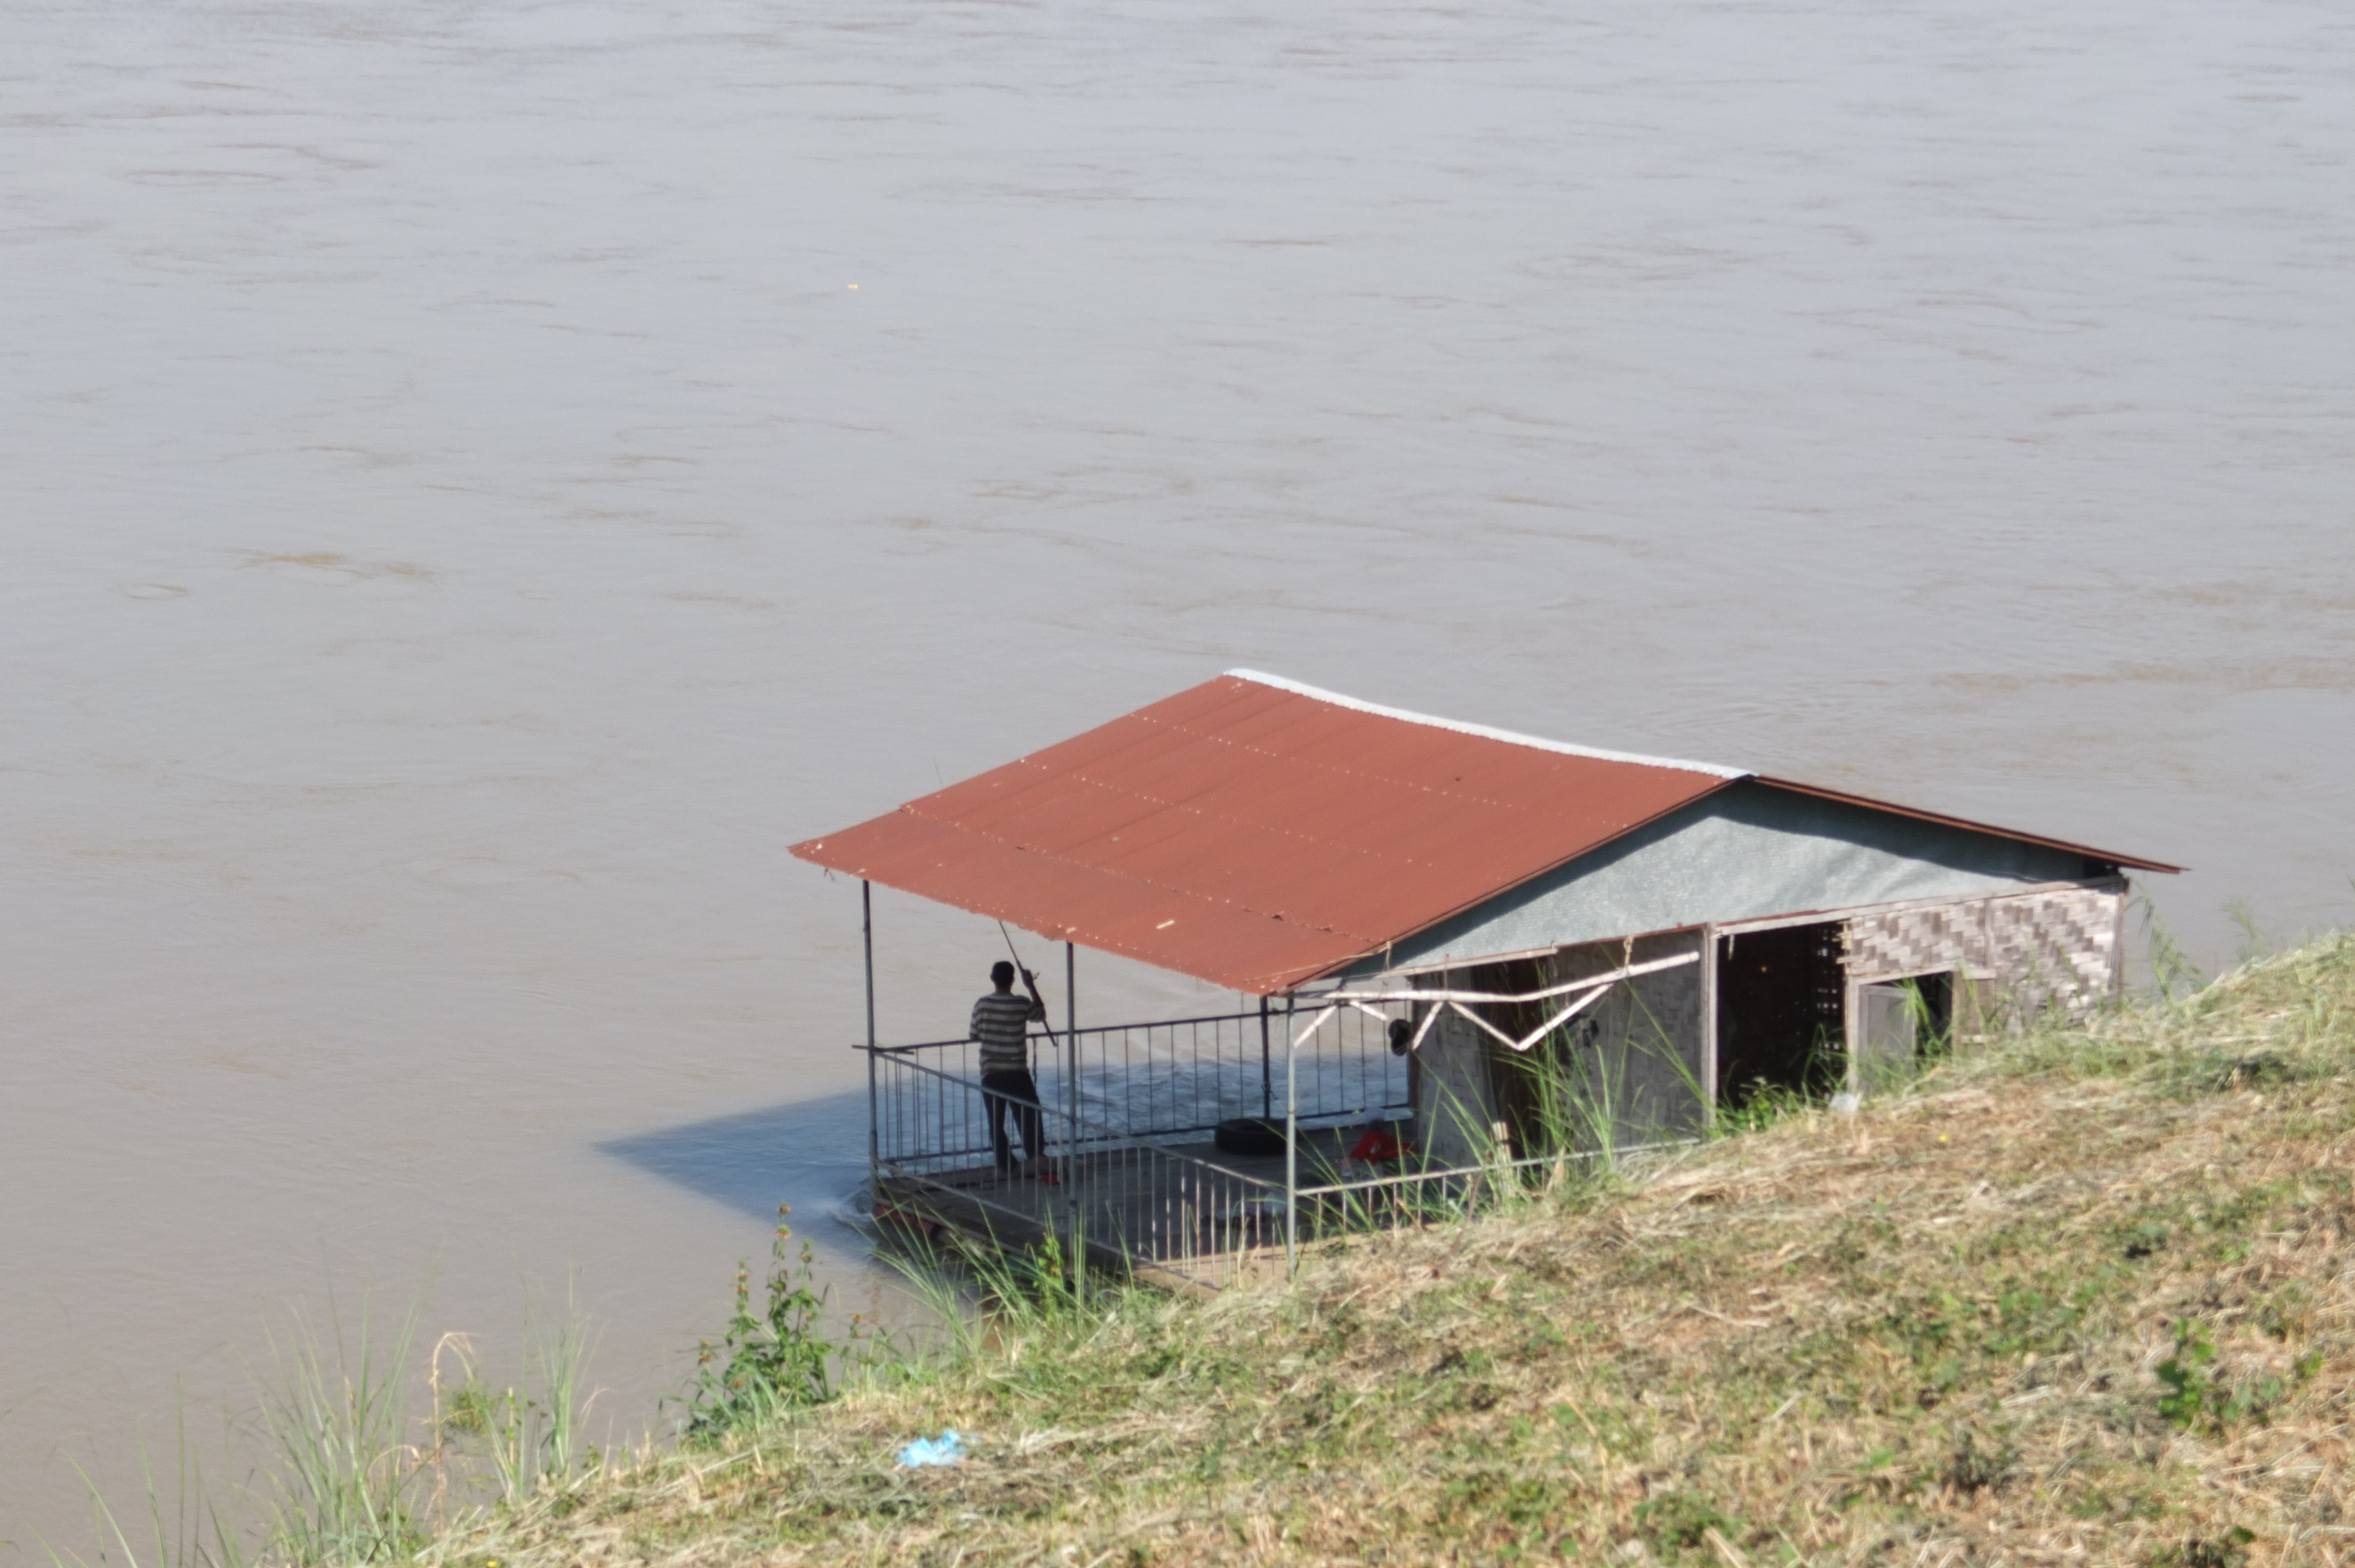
[1000, 1020]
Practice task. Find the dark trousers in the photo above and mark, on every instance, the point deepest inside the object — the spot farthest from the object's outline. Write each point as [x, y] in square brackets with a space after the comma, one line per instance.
[1012, 1091]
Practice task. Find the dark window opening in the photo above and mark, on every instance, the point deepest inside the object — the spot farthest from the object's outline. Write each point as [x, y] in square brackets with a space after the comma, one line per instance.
[1779, 1026]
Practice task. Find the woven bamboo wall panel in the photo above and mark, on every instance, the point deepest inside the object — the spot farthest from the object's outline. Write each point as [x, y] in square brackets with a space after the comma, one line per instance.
[2036, 952]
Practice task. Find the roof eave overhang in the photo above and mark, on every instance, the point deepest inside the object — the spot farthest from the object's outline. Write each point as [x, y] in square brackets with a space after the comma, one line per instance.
[2088, 850]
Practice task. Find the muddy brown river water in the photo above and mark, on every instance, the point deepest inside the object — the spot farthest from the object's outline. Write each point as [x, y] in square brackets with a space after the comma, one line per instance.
[480, 479]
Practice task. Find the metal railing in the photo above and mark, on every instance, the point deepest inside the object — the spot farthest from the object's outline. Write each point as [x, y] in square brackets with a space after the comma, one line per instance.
[1124, 1164]
[1175, 1081]
[1127, 1116]
[1126, 1200]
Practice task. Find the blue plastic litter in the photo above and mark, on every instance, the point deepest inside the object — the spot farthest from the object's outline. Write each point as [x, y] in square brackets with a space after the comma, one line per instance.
[948, 1449]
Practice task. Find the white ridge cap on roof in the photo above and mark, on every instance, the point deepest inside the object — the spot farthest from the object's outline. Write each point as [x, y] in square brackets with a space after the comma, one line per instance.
[1482, 730]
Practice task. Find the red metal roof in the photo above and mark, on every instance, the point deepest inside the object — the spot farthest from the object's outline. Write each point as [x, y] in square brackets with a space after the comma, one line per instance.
[1257, 834]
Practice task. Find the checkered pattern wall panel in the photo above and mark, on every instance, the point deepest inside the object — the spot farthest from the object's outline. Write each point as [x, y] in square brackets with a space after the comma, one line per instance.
[2032, 952]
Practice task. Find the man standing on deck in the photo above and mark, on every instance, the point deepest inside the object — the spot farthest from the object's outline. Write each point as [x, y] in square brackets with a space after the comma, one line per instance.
[1001, 1021]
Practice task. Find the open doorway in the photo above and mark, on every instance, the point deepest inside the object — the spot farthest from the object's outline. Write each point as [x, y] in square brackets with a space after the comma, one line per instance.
[1780, 997]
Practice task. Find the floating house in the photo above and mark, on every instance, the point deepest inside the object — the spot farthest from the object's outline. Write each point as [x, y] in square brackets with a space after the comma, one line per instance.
[1473, 953]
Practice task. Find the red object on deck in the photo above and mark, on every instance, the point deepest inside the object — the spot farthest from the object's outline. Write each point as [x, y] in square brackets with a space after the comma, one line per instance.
[1379, 1143]
[1255, 834]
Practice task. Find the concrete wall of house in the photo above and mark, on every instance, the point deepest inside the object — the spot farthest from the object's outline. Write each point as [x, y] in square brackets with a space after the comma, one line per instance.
[1638, 1051]
[1627, 1070]
[1748, 851]
[1624, 1072]
[1456, 1092]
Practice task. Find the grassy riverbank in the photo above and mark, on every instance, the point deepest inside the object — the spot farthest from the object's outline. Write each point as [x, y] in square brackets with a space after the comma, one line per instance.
[2080, 1298]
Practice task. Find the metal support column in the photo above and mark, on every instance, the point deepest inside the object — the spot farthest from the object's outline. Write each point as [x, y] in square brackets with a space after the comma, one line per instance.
[1707, 1027]
[1291, 1144]
[2117, 961]
[1077, 1263]
[1267, 1072]
[874, 1144]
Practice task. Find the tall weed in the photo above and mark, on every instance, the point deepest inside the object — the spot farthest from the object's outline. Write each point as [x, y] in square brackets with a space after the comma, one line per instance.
[530, 1437]
[179, 1544]
[779, 1358]
[342, 1488]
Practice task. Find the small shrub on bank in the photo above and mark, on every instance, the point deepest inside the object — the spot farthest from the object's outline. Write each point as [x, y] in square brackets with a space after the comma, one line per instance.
[779, 1361]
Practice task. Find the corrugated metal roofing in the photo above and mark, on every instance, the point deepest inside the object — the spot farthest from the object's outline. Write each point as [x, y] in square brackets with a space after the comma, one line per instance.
[1256, 833]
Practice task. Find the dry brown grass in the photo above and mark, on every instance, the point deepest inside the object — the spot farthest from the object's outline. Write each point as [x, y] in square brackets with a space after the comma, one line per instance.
[1930, 1334]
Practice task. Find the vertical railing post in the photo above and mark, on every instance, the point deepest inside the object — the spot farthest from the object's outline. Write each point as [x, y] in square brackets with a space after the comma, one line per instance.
[1291, 1144]
[1077, 1263]
[874, 1142]
[1266, 1079]
[1707, 1030]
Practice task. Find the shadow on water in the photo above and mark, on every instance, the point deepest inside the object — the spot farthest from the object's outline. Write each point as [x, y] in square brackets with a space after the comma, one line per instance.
[811, 1154]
